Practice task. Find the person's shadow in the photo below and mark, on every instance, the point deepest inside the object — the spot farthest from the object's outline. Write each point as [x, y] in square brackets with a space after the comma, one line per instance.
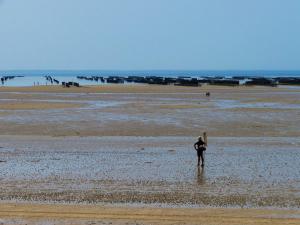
[200, 176]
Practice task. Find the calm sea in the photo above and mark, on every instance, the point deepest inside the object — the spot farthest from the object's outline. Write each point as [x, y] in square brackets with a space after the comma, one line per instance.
[32, 77]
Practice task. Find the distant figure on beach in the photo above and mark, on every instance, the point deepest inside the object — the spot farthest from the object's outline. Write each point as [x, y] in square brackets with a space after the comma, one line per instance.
[200, 148]
[207, 94]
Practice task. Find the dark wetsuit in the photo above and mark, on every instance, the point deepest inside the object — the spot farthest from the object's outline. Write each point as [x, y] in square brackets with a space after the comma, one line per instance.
[200, 148]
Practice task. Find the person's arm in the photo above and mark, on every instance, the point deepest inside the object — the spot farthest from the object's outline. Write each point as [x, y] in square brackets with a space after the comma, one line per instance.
[195, 146]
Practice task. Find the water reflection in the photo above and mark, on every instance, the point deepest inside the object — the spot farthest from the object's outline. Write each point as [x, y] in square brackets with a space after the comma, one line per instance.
[201, 175]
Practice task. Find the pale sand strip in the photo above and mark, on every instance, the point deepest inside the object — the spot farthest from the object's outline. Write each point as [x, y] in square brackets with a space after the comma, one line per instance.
[38, 212]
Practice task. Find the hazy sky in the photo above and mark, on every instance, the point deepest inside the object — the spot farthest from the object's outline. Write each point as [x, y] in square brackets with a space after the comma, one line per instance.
[150, 34]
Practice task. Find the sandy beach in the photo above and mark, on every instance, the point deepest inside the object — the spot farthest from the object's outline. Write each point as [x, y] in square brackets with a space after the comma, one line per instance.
[90, 215]
[128, 151]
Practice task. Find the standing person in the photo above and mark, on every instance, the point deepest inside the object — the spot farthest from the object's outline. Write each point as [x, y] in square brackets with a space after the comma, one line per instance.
[200, 148]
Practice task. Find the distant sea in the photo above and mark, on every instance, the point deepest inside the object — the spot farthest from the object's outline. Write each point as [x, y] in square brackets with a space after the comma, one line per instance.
[32, 77]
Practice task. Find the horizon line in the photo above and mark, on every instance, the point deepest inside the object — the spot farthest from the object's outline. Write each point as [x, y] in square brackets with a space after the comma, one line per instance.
[266, 70]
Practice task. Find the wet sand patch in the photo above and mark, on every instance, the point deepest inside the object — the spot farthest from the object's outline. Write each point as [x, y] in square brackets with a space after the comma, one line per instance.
[28, 105]
[178, 106]
[239, 172]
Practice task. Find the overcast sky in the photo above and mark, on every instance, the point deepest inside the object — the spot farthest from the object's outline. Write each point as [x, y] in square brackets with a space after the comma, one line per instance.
[150, 34]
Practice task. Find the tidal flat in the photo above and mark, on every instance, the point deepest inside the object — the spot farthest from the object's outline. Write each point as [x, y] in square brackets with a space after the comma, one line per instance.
[132, 146]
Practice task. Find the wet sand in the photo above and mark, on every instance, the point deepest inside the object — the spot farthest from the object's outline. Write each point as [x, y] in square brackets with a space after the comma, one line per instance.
[132, 145]
[151, 170]
[120, 110]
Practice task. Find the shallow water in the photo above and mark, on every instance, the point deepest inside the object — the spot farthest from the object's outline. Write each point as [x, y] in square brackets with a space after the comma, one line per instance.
[28, 81]
[232, 104]
[257, 162]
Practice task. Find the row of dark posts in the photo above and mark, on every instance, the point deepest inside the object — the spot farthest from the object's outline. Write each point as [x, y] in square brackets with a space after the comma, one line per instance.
[69, 84]
[64, 84]
[179, 81]
[6, 78]
[192, 81]
[51, 80]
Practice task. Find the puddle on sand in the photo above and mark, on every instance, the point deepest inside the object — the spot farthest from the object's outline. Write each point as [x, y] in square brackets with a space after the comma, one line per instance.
[231, 104]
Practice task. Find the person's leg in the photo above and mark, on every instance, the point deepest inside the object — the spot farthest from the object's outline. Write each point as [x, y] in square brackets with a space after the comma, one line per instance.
[202, 159]
[198, 158]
